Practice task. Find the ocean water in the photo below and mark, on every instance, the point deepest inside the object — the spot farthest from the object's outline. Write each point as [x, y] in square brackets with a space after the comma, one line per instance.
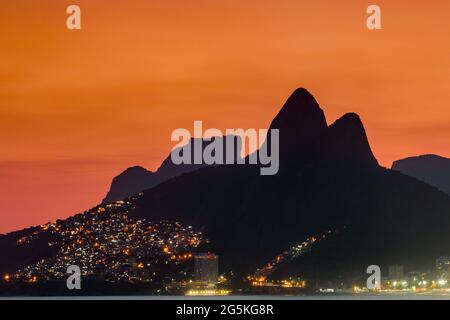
[343, 296]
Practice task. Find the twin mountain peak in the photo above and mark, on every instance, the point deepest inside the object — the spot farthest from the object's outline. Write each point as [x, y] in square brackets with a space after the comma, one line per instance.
[305, 138]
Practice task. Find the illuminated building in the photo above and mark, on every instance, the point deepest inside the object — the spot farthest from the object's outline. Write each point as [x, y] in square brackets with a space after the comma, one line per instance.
[206, 267]
[208, 292]
[395, 273]
[443, 267]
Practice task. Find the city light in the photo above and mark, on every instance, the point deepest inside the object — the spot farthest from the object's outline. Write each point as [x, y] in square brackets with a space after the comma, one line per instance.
[208, 292]
[442, 282]
[107, 241]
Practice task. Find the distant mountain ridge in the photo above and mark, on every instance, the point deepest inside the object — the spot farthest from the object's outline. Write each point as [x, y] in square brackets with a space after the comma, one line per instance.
[430, 168]
[137, 179]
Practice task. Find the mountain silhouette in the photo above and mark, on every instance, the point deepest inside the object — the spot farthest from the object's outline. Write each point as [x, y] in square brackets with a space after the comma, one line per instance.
[430, 168]
[306, 139]
[136, 179]
[131, 181]
[329, 179]
[348, 143]
[301, 121]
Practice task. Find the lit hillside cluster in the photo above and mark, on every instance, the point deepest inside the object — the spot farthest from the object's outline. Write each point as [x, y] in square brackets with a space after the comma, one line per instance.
[106, 242]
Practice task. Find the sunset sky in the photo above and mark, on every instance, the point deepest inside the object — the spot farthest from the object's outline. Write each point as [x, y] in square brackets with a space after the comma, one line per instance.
[78, 107]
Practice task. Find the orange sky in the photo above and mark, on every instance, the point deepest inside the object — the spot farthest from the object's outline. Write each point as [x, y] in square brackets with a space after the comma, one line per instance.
[78, 107]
